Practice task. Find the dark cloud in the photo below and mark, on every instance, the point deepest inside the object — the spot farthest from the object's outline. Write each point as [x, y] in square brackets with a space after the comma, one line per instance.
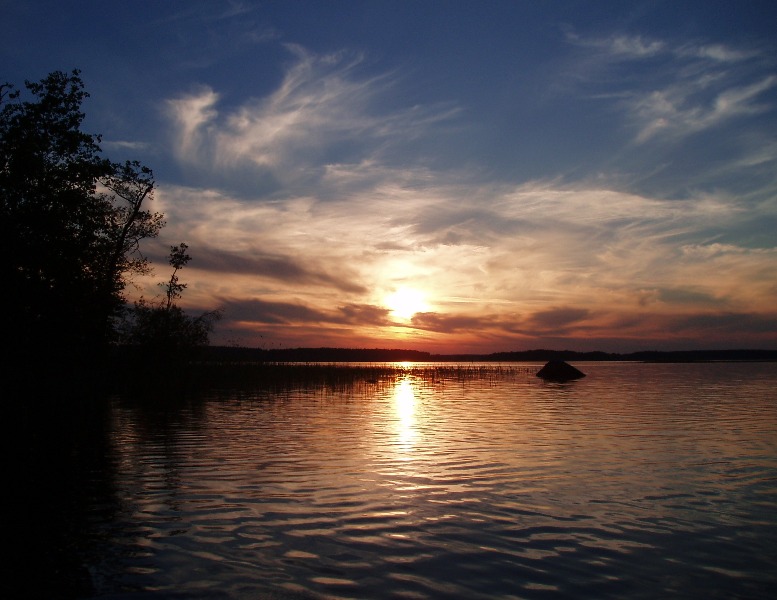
[364, 314]
[556, 319]
[688, 296]
[394, 247]
[728, 323]
[432, 321]
[282, 268]
[259, 311]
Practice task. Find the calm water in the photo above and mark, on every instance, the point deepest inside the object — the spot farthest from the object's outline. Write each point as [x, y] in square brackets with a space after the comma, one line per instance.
[640, 481]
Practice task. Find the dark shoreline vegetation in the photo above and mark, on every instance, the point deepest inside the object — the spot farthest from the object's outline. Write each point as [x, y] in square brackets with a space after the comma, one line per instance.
[221, 367]
[353, 355]
[86, 380]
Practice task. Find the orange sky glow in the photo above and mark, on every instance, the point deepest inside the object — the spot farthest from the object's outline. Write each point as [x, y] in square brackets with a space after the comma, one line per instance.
[541, 266]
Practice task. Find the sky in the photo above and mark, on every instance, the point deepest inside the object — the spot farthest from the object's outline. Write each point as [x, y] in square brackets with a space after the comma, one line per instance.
[454, 176]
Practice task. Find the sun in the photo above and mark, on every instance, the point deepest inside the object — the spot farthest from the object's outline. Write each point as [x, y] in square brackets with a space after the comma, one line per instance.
[406, 302]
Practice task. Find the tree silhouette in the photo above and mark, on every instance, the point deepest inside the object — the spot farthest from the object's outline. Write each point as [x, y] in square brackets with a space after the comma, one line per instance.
[161, 332]
[71, 222]
[178, 260]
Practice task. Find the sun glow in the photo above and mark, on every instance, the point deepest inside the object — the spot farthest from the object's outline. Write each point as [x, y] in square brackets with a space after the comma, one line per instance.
[406, 302]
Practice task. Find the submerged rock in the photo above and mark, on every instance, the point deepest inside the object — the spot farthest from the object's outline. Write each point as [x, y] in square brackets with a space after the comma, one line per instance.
[558, 370]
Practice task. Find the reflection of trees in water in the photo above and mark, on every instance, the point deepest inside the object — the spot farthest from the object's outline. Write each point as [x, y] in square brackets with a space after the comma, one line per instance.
[61, 492]
[159, 431]
[68, 523]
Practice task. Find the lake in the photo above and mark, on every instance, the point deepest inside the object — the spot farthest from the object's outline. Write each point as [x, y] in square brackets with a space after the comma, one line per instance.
[639, 481]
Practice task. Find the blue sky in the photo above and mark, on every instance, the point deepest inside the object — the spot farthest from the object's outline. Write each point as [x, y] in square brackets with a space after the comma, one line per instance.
[449, 176]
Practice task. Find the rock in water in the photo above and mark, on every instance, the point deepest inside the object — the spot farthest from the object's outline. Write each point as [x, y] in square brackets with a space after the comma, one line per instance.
[558, 370]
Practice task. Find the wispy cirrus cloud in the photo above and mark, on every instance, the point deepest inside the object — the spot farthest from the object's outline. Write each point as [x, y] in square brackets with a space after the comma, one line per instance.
[673, 111]
[123, 145]
[623, 46]
[672, 90]
[323, 112]
[618, 46]
[191, 113]
[716, 52]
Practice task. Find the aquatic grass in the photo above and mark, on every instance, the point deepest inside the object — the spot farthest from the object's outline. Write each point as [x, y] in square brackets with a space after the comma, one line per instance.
[465, 373]
[339, 376]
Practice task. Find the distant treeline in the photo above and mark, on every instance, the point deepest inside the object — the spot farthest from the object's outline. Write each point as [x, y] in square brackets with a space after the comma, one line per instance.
[237, 354]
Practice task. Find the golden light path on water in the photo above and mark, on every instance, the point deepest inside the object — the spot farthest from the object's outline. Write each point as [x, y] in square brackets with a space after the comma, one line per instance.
[405, 406]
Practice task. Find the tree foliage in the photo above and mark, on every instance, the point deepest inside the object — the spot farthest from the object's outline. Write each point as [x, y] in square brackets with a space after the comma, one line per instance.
[71, 221]
[178, 260]
[161, 330]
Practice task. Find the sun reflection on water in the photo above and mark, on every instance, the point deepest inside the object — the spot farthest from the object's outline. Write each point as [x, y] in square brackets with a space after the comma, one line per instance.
[405, 408]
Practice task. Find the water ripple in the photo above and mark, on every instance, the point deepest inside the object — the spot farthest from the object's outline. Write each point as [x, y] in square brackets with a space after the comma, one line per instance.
[644, 481]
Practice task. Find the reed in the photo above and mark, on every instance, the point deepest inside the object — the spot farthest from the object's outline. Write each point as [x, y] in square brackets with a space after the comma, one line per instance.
[287, 376]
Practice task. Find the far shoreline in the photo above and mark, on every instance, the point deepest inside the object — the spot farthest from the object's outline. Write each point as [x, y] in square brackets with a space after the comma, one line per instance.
[378, 355]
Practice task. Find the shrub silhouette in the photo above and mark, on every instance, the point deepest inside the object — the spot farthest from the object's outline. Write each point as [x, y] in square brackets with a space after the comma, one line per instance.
[161, 332]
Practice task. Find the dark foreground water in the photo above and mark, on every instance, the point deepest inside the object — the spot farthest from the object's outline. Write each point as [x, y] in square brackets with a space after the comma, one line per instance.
[639, 481]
